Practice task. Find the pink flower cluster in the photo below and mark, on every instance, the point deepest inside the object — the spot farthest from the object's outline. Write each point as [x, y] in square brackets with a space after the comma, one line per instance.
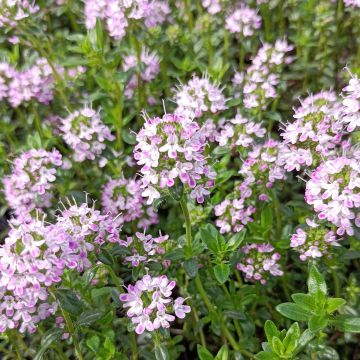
[151, 304]
[85, 134]
[199, 96]
[243, 21]
[261, 78]
[315, 133]
[233, 215]
[86, 228]
[313, 243]
[122, 198]
[144, 248]
[18, 87]
[30, 261]
[34, 257]
[14, 10]
[260, 261]
[334, 192]
[31, 180]
[171, 148]
[212, 6]
[117, 14]
[352, 3]
[263, 166]
[351, 103]
[239, 132]
[149, 65]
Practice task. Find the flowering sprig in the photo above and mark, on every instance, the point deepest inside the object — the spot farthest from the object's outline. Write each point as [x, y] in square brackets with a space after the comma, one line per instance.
[170, 148]
[261, 78]
[199, 96]
[144, 248]
[85, 133]
[316, 132]
[31, 181]
[244, 21]
[151, 304]
[313, 242]
[334, 192]
[239, 132]
[118, 14]
[16, 10]
[30, 262]
[122, 198]
[351, 103]
[259, 262]
[87, 229]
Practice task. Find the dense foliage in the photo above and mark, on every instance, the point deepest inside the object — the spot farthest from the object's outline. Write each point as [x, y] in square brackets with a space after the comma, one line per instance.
[180, 179]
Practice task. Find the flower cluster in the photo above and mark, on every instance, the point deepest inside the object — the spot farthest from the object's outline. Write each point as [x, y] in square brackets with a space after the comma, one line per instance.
[313, 243]
[149, 65]
[86, 228]
[260, 80]
[352, 3]
[30, 262]
[143, 248]
[233, 215]
[243, 21]
[239, 132]
[14, 10]
[122, 198]
[28, 187]
[212, 6]
[263, 165]
[22, 86]
[260, 261]
[315, 133]
[117, 14]
[170, 148]
[334, 192]
[85, 133]
[351, 104]
[199, 96]
[151, 305]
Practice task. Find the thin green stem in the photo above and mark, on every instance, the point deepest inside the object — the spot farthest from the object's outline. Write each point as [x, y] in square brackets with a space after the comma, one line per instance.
[189, 14]
[15, 344]
[115, 278]
[185, 211]
[71, 329]
[134, 347]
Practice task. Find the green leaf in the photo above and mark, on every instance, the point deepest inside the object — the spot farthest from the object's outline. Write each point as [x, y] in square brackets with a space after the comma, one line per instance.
[317, 323]
[161, 353]
[347, 323]
[305, 338]
[236, 240]
[222, 272]
[291, 339]
[203, 353]
[223, 353]
[316, 281]
[105, 257]
[334, 304]
[293, 312]
[264, 355]
[306, 301]
[93, 343]
[69, 301]
[271, 330]
[90, 316]
[128, 137]
[47, 339]
[266, 217]
[191, 267]
[277, 346]
[209, 234]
